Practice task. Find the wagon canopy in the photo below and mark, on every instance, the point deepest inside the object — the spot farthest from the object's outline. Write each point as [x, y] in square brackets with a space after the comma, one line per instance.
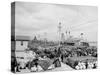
[45, 64]
[83, 58]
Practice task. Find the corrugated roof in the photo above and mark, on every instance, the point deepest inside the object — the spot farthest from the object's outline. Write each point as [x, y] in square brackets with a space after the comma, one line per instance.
[22, 38]
[82, 58]
[73, 40]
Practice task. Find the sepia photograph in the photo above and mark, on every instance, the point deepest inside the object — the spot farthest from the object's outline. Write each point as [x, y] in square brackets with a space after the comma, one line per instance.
[48, 37]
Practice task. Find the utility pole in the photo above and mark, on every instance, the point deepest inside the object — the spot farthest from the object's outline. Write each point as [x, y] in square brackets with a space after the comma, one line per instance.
[45, 38]
[59, 31]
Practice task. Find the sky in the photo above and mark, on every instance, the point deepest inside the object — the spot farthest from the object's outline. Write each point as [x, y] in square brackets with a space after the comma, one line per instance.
[42, 20]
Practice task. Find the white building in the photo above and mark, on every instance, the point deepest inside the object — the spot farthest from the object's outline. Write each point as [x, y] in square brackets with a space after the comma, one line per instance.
[21, 42]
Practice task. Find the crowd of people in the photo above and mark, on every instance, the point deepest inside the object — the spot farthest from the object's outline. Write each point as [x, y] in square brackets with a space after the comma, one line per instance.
[50, 58]
[35, 61]
[86, 65]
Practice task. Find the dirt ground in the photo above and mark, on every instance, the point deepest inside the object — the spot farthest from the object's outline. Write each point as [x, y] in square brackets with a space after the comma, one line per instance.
[63, 67]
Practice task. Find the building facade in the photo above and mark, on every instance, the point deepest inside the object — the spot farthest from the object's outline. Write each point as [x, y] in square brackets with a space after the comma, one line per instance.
[21, 43]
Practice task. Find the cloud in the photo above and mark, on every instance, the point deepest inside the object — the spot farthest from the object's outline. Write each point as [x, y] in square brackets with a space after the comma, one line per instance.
[38, 18]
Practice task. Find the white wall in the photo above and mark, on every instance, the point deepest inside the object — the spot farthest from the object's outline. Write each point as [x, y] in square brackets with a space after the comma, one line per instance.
[21, 47]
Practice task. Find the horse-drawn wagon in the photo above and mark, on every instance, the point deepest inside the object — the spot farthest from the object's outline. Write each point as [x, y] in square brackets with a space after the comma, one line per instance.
[83, 62]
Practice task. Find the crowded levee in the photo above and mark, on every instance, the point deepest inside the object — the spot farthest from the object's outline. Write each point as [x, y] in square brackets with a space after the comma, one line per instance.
[53, 37]
[45, 56]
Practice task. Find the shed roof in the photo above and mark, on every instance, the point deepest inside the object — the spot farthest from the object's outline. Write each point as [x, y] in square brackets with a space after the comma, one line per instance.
[82, 58]
[22, 38]
[72, 40]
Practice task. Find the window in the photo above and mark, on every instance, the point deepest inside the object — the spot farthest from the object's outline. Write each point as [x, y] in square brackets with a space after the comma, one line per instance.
[21, 43]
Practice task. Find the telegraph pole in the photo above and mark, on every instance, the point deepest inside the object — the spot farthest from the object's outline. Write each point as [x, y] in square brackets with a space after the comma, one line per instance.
[59, 31]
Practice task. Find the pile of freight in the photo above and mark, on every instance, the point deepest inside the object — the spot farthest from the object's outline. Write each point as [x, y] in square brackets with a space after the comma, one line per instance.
[49, 58]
